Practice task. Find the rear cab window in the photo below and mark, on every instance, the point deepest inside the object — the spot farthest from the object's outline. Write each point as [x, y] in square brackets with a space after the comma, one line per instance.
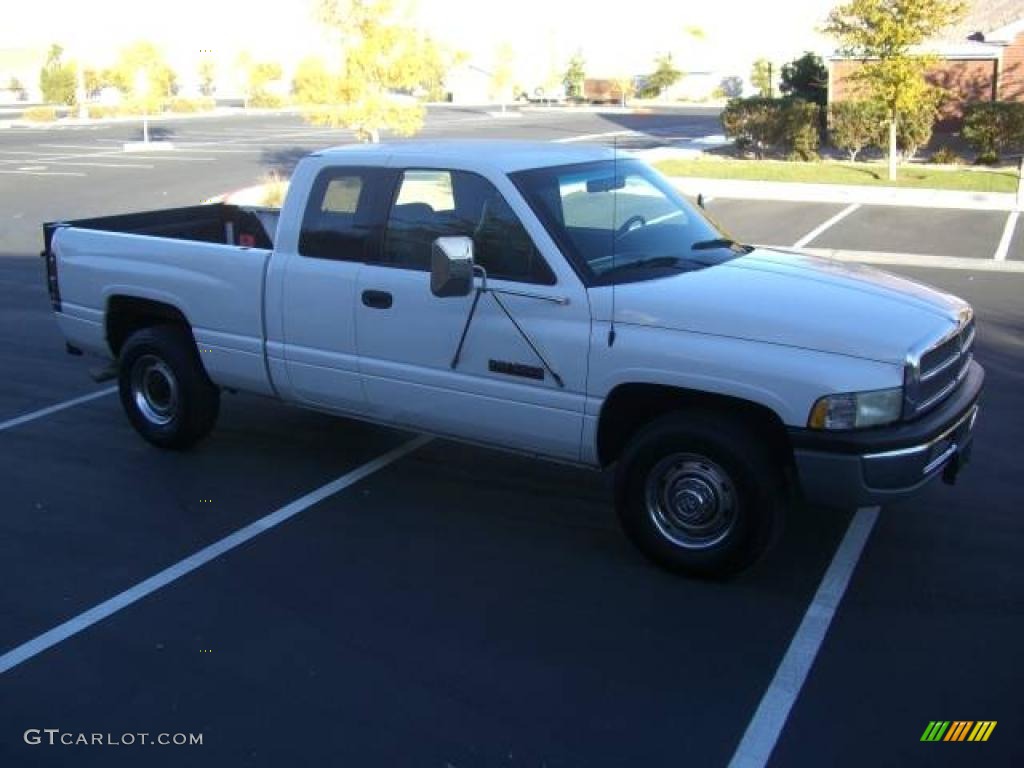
[342, 208]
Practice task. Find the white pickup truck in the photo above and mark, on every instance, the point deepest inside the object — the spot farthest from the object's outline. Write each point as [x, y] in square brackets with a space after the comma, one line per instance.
[560, 301]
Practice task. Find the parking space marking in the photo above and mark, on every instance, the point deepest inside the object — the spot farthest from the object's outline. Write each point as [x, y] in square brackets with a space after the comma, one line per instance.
[822, 227]
[1004, 242]
[43, 173]
[755, 748]
[592, 136]
[118, 602]
[18, 421]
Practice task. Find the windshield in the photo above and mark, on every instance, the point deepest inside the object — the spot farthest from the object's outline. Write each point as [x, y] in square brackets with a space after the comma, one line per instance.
[619, 221]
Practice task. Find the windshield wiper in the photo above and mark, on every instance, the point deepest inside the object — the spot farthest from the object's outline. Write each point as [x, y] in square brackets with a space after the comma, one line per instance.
[667, 262]
[721, 242]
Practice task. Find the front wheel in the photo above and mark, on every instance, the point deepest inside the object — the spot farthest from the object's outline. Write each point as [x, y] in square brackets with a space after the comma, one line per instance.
[699, 493]
[164, 389]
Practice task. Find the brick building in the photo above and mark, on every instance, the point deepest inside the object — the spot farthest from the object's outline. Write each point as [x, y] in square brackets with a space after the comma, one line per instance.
[981, 59]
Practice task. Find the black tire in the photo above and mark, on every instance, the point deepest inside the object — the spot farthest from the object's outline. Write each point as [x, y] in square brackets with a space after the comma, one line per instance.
[699, 493]
[164, 389]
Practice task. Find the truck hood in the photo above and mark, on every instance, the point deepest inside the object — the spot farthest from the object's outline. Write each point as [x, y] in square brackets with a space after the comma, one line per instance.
[797, 300]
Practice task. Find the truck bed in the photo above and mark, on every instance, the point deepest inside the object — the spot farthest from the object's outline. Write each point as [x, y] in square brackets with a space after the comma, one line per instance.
[219, 223]
[207, 262]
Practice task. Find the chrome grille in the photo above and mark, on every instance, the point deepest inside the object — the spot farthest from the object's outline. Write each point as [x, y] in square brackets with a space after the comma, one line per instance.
[935, 372]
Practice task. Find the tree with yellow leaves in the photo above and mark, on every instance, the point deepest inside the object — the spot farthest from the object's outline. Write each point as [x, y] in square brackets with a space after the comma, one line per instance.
[884, 34]
[380, 55]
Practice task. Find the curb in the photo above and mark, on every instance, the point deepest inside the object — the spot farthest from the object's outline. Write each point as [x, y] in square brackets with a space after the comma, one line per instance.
[843, 194]
[69, 122]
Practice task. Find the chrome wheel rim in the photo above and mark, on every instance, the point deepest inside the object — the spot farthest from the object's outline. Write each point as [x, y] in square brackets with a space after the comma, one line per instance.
[691, 500]
[154, 390]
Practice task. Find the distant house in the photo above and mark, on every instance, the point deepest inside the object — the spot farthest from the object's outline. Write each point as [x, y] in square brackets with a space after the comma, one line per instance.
[468, 84]
[981, 59]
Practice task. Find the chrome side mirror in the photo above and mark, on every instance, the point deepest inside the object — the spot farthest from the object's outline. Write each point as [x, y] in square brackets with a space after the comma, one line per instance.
[451, 266]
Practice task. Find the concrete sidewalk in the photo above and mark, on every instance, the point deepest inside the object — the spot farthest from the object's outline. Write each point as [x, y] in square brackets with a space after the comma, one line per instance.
[843, 194]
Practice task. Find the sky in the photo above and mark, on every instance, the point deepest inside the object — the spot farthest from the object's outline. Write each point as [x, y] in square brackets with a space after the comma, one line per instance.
[541, 33]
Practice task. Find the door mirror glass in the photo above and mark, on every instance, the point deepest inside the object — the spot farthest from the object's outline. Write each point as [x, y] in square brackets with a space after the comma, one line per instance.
[451, 266]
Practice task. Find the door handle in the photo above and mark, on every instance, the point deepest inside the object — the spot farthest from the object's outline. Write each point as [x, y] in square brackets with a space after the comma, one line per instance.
[377, 299]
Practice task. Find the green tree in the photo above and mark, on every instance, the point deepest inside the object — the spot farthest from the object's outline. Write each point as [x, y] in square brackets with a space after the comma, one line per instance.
[381, 54]
[57, 79]
[574, 77]
[207, 76]
[664, 76]
[883, 33]
[806, 78]
[15, 87]
[761, 77]
[993, 127]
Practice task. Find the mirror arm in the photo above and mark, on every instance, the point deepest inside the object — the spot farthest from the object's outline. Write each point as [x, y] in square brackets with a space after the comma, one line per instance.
[529, 341]
[469, 321]
[482, 289]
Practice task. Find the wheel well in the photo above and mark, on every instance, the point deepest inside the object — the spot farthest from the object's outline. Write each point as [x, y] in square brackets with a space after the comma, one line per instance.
[630, 407]
[127, 314]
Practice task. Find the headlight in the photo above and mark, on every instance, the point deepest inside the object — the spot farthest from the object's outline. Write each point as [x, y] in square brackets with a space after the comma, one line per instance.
[857, 409]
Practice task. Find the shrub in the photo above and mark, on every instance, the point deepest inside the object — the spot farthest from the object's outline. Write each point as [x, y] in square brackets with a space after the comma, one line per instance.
[274, 191]
[39, 114]
[993, 127]
[945, 156]
[762, 124]
[101, 110]
[855, 126]
[752, 123]
[914, 129]
[266, 100]
[181, 104]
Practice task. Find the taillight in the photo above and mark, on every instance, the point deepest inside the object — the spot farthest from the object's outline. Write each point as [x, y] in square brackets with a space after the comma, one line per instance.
[51, 278]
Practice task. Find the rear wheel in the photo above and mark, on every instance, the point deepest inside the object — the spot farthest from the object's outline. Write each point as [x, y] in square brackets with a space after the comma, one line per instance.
[164, 389]
[699, 493]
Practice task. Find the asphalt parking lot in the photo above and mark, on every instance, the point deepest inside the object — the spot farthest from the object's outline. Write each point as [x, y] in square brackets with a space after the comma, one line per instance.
[457, 606]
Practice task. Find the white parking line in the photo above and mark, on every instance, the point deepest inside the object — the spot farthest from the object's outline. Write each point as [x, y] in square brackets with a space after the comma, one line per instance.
[10, 423]
[118, 602]
[770, 718]
[822, 227]
[1004, 242]
[590, 136]
[43, 173]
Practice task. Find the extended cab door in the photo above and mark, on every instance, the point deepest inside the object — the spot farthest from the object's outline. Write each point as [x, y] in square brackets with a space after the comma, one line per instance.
[339, 230]
[500, 392]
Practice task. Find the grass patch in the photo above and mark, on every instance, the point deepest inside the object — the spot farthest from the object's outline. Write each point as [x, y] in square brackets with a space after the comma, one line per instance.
[870, 174]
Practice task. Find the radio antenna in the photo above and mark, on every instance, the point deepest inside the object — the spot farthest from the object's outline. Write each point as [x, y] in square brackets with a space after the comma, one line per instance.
[615, 213]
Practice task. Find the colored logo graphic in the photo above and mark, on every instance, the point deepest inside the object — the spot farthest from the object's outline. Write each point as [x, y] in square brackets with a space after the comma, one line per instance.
[958, 730]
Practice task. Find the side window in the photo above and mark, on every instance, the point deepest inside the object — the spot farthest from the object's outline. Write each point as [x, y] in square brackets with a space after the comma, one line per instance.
[337, 220]
[435, 203]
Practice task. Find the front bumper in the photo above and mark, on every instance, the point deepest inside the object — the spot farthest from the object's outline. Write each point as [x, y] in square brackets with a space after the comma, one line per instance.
[858, 468]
